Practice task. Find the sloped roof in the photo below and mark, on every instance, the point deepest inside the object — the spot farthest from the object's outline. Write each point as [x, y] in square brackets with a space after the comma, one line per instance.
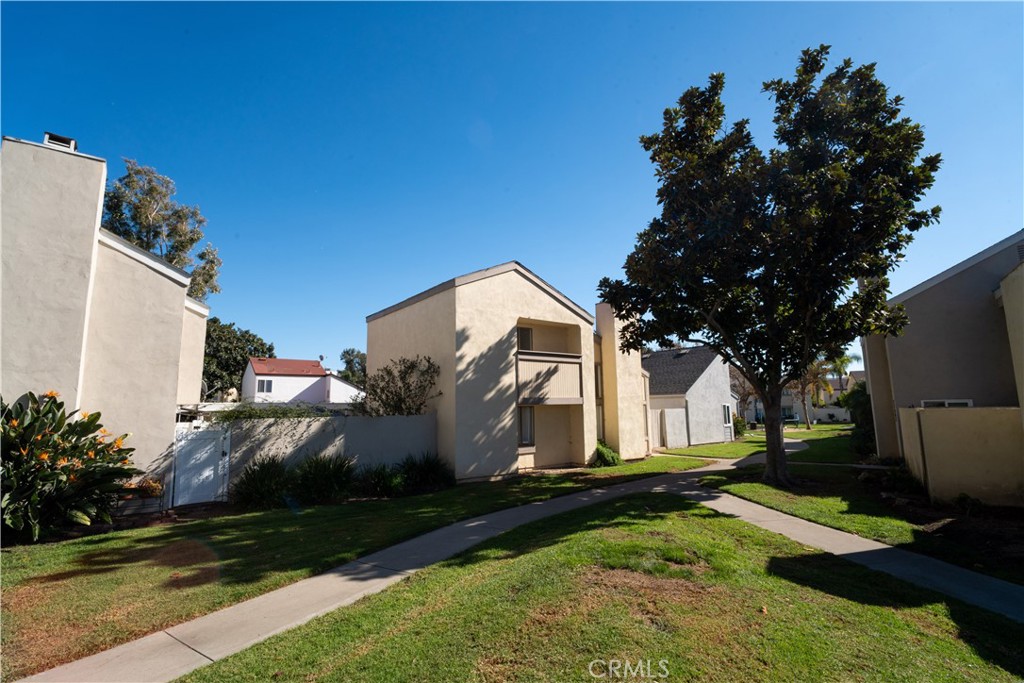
[858, 375]
[674, 371]
[483, 274]
[287, 366]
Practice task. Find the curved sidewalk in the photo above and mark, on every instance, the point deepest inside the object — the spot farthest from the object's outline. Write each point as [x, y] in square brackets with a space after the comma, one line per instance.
[167, 654]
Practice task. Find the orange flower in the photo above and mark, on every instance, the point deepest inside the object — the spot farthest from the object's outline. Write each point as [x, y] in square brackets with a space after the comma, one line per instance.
[118, 442]
[76, 463]
[126, 462]
[104, 432]
[52, 393]
[84, 414]
[39, 437]
[72, 477]
[43, 456]
[62, 462]
[24, 450]
[14, 423]
[91, 454]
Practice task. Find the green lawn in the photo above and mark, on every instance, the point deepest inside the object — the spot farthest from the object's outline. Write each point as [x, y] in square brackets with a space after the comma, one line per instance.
[825, 443]
[740, 448]
[63, 601]
[835, 497]
[646, 578]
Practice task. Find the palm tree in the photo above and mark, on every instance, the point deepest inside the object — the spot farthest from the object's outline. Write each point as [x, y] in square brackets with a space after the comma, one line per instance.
[814, 379]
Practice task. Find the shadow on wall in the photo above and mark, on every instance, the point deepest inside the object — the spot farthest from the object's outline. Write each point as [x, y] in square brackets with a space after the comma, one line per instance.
[487, 426]
[370, 440]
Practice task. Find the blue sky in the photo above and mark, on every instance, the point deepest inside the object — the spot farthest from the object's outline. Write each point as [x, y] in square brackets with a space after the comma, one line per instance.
[350, 155]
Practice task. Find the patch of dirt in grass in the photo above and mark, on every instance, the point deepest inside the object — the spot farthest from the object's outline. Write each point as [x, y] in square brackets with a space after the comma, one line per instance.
[639, 584]
[36, 642]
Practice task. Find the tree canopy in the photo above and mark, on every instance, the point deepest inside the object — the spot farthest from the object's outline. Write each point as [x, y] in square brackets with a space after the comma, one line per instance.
[402, 387]
[228, 350]
[757, 254]
[354, 370]
[140, 207]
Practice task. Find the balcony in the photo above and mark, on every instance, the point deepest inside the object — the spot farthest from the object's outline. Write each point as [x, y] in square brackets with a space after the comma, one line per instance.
[546, 378]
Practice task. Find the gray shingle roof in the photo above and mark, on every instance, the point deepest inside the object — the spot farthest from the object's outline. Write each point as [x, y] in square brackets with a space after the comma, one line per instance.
[674, 371]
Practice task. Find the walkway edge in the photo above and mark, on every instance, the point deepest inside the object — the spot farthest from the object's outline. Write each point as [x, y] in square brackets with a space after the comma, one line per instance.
[168, 654]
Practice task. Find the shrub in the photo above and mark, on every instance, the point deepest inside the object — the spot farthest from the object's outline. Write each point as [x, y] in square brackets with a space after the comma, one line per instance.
[57, 469]
[323, 478]
[402, 387]
[265, 483]
[425, 474]
[739, 425]
[604, 456]
[380, 481]
[150, 488]
[858, 402]
[253, 411]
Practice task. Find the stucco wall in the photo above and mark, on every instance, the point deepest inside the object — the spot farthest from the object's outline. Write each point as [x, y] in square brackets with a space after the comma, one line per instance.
[190, 362]
[49, 213]
[879, 384]
[341, 392]
[974, 451]
[554, 436]
[426, 328]
[1011, 289]
[370, 440]
[704, 403]
[625, 399]
[487, 314]
[955, 344]
[134, 345]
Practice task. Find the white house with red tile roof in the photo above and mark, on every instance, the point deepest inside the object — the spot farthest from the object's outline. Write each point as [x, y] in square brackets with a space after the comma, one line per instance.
[285, 380]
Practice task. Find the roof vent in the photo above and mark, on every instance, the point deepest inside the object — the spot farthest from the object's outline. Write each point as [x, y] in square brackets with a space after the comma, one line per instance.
[59, 141]
[1020, 252]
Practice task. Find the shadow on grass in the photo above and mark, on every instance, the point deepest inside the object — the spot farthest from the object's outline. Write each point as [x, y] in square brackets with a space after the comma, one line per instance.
[253, 548]
[985, 632]
[987, 541]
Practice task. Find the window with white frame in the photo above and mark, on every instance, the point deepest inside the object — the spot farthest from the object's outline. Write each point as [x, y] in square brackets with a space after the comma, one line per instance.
[264, 386]
[948, 403]
[599, 380]
[726, 414]
[526, 433]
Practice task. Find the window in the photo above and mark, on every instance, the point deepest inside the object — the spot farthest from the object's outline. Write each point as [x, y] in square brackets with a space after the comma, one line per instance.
[600, 423]
[264, 386]
[948, 403]
[599, 379]
[525, 335]
[726, 414]
[526, 437]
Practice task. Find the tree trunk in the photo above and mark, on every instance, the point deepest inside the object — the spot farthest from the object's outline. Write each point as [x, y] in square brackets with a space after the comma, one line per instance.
[776, 472]
[807, 412]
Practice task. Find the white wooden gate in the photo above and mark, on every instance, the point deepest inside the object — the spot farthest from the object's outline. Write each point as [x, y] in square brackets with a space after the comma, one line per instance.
[201, 459]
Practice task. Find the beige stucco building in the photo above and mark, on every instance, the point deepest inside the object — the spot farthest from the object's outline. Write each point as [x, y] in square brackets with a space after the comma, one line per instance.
[947, 394]
[525, 381]
[84, 312]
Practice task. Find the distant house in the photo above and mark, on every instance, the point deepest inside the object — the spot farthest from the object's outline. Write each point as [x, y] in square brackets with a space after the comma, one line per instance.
[691, 401]
[946, 394]
[85, 313]
[524, 380]
[283, 380]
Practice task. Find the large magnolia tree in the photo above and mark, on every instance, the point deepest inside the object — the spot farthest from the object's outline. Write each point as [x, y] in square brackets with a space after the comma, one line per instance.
[757, 253]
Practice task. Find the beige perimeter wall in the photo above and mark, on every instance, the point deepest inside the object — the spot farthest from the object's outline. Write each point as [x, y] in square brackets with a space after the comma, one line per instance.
[370, 440]
[974, 451]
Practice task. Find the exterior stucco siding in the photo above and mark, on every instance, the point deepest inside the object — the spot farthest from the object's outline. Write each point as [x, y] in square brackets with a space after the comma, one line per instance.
[134, 342]
[704, 401]
[190, 363]
[955, 343]
[49, 210]
[488, 312]
[426, 328]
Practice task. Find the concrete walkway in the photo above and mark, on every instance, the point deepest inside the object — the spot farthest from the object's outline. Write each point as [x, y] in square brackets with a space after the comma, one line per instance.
[165, 655]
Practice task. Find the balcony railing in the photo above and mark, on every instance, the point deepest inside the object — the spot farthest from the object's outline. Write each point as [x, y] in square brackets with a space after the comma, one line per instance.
[549, 378]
